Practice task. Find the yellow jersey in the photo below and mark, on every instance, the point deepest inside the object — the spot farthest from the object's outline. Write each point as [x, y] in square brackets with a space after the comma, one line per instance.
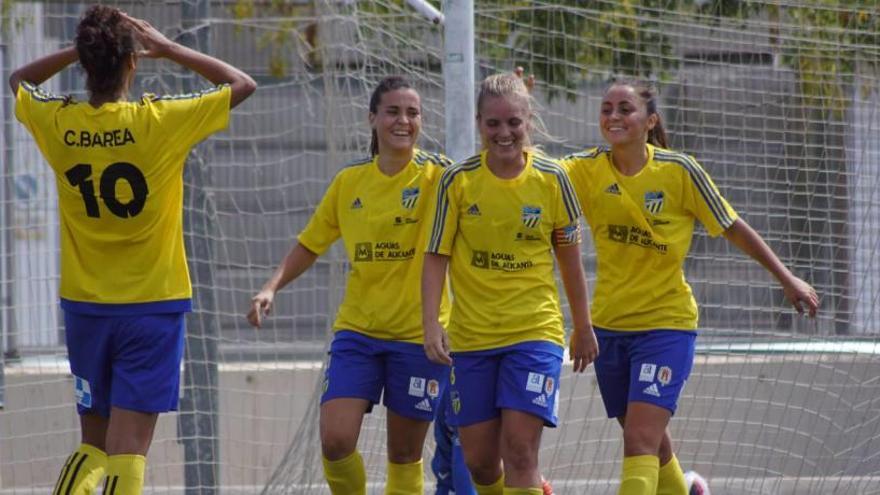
[499, 234]
[642, 227]
[381, 222]
[119, 176]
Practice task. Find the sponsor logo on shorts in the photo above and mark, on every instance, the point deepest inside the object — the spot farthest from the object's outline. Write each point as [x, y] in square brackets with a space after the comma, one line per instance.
[652, 390]
[452, 375]
[433, 389]
[416, 386]
[540, 400]
[82, 391]
[664, 375]
[424, 405]
[549, 385]
[535, 382]
[556, 404]
[647, 373]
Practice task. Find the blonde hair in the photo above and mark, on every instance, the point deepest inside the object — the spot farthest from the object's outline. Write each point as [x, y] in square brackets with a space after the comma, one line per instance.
[507, 85]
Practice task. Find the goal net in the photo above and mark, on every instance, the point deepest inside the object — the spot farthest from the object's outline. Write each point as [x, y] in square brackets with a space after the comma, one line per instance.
[779, 101]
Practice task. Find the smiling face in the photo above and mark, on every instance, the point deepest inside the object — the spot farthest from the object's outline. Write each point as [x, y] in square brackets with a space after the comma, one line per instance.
[624, 118]
[397, 120]
[504, 123]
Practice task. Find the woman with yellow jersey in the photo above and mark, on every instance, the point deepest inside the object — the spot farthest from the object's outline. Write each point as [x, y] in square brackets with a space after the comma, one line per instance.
[641, 201]
[124, 282]
[499, 217]
[377, 206]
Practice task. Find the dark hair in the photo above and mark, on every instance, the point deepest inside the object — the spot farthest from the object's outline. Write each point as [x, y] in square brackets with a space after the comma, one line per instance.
[648, 93]
[104, 42]
[386, 85]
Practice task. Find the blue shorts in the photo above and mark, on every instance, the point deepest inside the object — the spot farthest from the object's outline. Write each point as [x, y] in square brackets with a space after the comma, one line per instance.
[650, 366]
[523, 377]
[130, 362]
[363, 367]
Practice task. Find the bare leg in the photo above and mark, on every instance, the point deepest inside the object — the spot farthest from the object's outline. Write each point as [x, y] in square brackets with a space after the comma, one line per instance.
[481, 445]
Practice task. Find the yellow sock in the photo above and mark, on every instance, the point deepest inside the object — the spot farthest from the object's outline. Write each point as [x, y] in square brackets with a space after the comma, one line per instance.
[82, 471]
[639, 476]
[405, 479]
[125, 474]
[523, 491]
[496, 488]
[346, 476]
[671, 480]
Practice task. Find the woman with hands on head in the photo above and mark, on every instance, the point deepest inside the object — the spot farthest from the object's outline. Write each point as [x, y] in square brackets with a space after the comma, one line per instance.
[125, 287]
[499, 219]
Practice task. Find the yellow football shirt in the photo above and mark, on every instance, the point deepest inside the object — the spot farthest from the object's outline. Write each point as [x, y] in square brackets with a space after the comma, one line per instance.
[381, 222]
[119, 175]
[499, 234]
[642, 227]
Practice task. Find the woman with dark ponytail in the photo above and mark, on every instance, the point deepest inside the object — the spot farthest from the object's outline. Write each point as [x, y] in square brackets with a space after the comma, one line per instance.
[124, 282]
[640, 200]
[377, 206]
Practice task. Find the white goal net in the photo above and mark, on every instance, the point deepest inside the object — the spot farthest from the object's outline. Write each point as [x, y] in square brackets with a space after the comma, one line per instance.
[778, 100]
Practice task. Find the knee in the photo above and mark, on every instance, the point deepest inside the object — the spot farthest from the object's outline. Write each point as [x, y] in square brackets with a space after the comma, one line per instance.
[336, 445]
[484, 471]
[127, 444]
[404, 454]
[520, 456]
[665, 450]
[641, 440]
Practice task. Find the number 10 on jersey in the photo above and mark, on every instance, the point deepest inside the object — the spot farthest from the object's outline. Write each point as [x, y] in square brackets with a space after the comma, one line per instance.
[80, 176]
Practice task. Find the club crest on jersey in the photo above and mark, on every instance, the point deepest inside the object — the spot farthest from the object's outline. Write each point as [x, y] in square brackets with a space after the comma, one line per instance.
[409, 197]
[654, 201]
[531, 216]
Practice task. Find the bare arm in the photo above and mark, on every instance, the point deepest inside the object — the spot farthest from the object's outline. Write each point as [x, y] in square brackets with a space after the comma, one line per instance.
[433, 278]
[583, 346]
[297, 261]
[156, 45]
[743, 236]
[43, 68]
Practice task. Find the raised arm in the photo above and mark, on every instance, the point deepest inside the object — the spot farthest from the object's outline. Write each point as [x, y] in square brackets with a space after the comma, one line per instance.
[43, 68]
[156, 45]
[297, 261]
[743, 236]
[433, 278]
[583, 345]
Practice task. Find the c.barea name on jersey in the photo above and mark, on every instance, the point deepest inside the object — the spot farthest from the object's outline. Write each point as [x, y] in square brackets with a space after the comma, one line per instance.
[105, 139]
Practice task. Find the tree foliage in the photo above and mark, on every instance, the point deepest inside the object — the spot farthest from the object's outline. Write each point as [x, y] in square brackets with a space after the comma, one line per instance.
[825, 42]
